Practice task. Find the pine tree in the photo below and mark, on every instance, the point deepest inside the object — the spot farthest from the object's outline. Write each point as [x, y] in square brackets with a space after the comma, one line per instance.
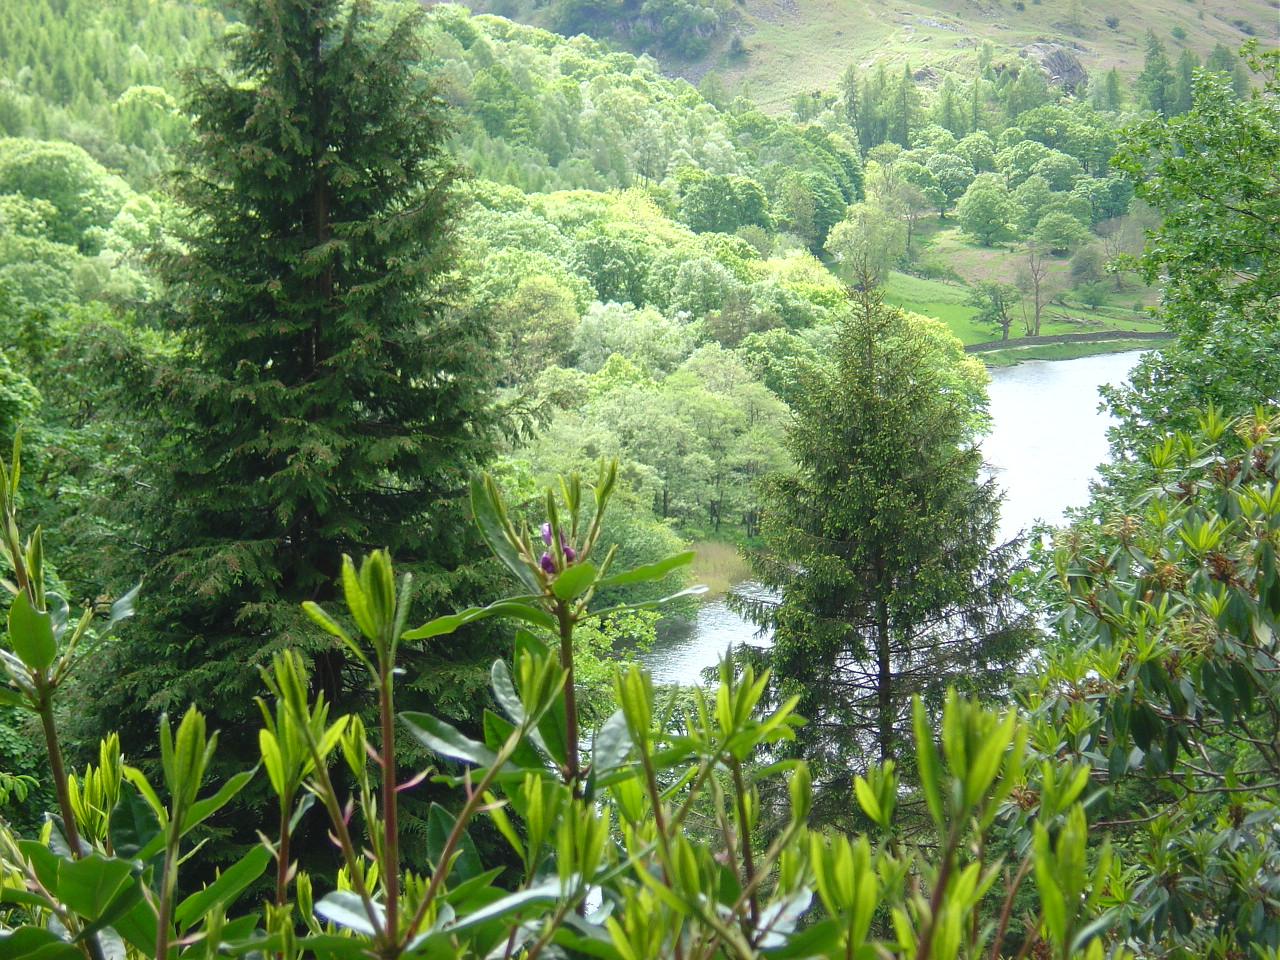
[1184, 81]
[881, 542]
[1156, 81]
[849, 86]
[326, 400]
[904, 111]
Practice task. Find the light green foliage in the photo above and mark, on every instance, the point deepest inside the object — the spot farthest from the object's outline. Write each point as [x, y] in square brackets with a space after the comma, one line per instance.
[1059, 232]
[722, 204]
[101, 75]
[81, 192]
[988, 214]
[1017, 162]
[1207, 173]
[645, 336]
[1059, 170]
[661, 813]
[870, 235]
[952, 175]
[1156, 83]
[808, 205]
[19, 399]
[997, 304]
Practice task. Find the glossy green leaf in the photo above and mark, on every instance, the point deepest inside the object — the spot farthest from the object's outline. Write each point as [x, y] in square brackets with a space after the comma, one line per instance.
[649, 571]
[547, 892]
[446, 740]
[346, 909]
[89, 884]
[133, 824]
[612, 744]
[573, 580]
[927, 762]
[31, 634]
[229, 884]
[505, 608]
[498, 729]
[34, 943]
[486, 508]
[466, 859]
[504, 691]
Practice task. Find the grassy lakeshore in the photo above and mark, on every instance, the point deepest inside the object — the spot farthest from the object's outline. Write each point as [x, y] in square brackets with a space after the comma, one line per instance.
[718, 565]
[1063, 351]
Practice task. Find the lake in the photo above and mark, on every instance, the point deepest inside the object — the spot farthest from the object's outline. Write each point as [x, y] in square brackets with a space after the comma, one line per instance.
[1047, 439]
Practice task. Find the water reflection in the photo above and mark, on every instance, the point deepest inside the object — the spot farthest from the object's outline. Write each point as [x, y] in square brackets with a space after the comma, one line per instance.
[1047, 439]
[1048, 435]
[686, 647]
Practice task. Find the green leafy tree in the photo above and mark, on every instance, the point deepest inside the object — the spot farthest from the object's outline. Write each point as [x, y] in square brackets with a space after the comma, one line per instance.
[327, 398]
[1184, 81]
[952, 174]
[881, 541]
[1058, 231]
[987, 214]
[996, 303]
[869, 235]
[1209, 173]
[83, 194]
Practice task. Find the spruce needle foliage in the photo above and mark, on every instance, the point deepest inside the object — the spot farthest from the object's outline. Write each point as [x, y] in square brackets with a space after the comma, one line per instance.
[328, 399]
[882, 542]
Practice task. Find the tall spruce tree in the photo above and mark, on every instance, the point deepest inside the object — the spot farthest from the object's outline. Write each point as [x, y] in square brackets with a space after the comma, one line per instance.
[881, 540]
[327, 399]
[1156, 81]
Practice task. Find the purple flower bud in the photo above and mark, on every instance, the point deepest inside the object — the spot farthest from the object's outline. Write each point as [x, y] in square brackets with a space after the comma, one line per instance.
[548, 565]
[546, 533]
[569, 554]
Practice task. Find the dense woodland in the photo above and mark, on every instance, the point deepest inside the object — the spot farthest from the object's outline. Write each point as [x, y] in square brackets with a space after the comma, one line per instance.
[300, 297]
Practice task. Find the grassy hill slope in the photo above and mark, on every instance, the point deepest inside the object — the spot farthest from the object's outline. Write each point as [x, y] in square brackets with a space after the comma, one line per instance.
[780, 48]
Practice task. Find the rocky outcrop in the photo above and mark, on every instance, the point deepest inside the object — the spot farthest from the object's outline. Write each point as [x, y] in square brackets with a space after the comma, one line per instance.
[1059, 64]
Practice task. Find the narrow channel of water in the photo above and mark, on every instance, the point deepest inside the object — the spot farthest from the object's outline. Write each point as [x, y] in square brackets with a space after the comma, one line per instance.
[1047, 439]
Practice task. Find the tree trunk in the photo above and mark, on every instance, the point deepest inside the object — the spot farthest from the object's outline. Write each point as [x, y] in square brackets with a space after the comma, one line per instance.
[884, 681]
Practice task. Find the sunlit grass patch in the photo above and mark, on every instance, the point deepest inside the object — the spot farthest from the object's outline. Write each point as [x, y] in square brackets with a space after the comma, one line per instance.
[718, 565]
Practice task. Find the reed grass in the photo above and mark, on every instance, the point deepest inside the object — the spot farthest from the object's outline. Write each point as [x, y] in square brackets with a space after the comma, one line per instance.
[719, 565]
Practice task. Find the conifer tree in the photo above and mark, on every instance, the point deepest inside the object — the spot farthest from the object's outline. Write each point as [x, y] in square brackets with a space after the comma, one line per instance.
[881, 541]
[1156, 81]
[326, 399]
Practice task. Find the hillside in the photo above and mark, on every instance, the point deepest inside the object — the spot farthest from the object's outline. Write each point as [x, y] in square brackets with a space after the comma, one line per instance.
[779, 48]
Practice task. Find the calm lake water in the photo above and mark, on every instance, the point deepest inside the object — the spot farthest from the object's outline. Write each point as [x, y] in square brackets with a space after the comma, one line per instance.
[1047, 439]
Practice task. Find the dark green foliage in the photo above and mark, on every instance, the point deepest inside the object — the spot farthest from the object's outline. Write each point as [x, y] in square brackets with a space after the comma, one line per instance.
[682, 28]
[327, 399]
[1156, 82]
[718, 203]
[1163, 676]
[881, 542]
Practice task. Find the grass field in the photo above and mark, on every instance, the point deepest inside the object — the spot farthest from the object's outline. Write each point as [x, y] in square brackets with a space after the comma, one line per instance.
[944, 246]
[796, 46]
[937, 298]
[802, 46]
[1063, 351]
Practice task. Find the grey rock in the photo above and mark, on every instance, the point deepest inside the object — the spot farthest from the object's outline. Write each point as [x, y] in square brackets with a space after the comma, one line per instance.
[1059, 64]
